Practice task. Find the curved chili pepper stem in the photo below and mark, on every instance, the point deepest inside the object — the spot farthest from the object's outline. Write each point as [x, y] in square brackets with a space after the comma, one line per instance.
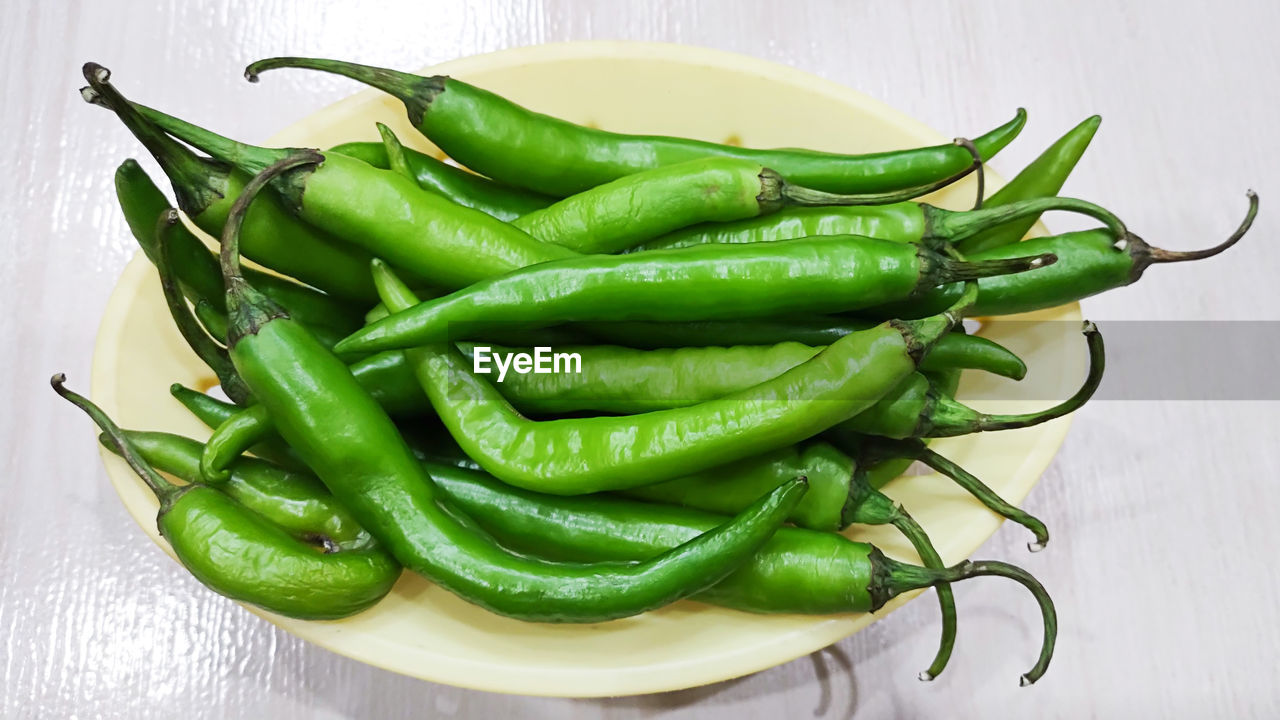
[1144, 255]
[209, 351]
[978, 167]
[165, 491]
[415, 91]
[984, 494]
[251, 159]
[868, 506]
[189, 171]
[875, 449]
[929, 557]
[954, 227]
[247, 309]
[950, 418]
[896, 578]
[775, 186]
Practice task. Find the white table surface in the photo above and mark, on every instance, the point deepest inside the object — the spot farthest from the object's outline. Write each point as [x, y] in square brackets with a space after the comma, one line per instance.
[1163, 512]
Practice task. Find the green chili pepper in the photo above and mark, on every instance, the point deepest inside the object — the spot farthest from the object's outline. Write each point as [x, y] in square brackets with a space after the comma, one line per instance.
[293, 500]
[622, 380]
[729, 488]
[610, 453]
[508, 143]
[213, 412]
[954, 350]
[214, 322]
[830, 503]
[823, 507]
[385, 376]
[905, 222]
[797, 571]
[699, 283]
[1044, 177]
[1091, 261]
[460, 186]
[626, 381]
[632, 209]
[926, 413]
[205, 190]
[765, 584]
[608, 381]
[342, 433]
[246, 429]
[434, 239]
[238, 553]
[196, 268]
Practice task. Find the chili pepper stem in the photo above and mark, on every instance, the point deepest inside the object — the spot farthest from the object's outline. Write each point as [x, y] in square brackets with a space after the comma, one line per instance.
[929, 557]
[955, 227]
[1144, 255]
[868, 506]
[189, 172]
[249, 158]
[947, 270]
[979, 167]
[210, 352]
[247, 309]
[922, 334]
[970, 483]
[164, 490]
[415, 91]
[951, 418]
[893, 578]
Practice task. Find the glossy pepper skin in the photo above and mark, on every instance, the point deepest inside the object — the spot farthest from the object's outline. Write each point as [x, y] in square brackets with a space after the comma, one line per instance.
[577, 456]
[729, 488]
[511, 144]
[271, 569]
[196, 267]
[356, 450]
[1044, 177]
[214, 412]
[632, 209]
[613, 379]
[206, 190]
[239, 553]
[464, 188]
[797, 571]
[954, 350]
[291, 500]
[826, 274]
[905, 222]
[628, 381]
[384, 213]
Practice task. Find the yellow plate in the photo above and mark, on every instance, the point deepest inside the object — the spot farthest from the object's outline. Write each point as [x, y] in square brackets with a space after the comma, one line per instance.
[423, 631]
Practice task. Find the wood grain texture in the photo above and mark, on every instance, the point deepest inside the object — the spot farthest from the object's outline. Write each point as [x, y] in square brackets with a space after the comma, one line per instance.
[1162, 512]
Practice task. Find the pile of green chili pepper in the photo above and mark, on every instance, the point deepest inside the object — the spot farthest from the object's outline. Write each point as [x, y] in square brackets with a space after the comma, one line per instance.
[764, 339]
